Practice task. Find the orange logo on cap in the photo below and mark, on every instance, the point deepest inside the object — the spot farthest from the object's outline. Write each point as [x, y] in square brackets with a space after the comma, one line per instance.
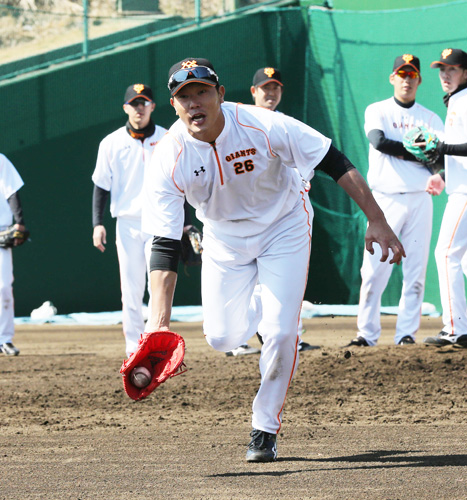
[269, 72]
[138, 88]
[407, 58]
[189, 64]
[446, 53]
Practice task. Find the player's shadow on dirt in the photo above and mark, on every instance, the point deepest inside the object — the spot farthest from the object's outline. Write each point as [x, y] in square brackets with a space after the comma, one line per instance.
[379, 459]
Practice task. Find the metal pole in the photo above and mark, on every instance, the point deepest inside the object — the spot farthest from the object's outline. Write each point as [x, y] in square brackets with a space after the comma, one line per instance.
[198, 12]
[85, 29]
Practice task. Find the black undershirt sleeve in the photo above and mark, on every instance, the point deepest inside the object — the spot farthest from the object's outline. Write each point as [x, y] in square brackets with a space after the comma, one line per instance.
[165, 254]
[454, 149]
[16, 208]
[99, 201]
[387, 146]
[335, 164]
[188, 220]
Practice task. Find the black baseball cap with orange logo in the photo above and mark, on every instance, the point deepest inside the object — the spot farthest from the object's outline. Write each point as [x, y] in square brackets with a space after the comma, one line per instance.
[137, 90]
[406, 60]
[451, 57]
[266, 75]
[191, 70]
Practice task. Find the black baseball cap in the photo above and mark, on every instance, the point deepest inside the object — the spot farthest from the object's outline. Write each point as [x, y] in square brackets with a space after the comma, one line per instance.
[451, 57]
[191, 70]
[406, 60]
[137, 90]
[266, 75]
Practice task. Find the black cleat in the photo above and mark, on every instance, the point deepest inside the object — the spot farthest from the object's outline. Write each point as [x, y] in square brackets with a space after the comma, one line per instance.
[262, 447]
[304, 346]
[359, 342]
[407, 340]
[440, 340]
[462, 341]
[243, 350]
[9, 349]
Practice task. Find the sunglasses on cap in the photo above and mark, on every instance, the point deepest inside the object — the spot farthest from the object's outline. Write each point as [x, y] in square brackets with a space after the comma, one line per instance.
[196, 73]
[136, 102]
[404, 74]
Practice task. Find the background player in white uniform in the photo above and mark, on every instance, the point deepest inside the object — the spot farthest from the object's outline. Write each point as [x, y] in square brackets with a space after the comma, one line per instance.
[451, 249]
[122, 160]
[10, 208]
[267, 93]
[234, 164]
[398, 182]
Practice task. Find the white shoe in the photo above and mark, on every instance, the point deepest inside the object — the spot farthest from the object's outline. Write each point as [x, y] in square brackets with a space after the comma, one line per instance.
[243, 350]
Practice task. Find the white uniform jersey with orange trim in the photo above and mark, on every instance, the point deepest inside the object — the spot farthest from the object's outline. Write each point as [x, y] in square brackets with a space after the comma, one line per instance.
[120, 169]
[389, 174]
[239, 185]
[456, 133]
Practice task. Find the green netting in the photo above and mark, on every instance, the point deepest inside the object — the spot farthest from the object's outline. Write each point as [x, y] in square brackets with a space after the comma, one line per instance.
[334, 64]
[350, 56]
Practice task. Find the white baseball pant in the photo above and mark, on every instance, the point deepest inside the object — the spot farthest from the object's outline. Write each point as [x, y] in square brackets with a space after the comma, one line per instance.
[134, 250]
[410, 216]
[278, 258]
[451, 257]
[7, 313]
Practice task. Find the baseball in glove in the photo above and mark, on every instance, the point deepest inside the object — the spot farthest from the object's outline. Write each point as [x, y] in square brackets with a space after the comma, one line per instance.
[422, 144]
[192, 247]
[11, 237]
[162, 354]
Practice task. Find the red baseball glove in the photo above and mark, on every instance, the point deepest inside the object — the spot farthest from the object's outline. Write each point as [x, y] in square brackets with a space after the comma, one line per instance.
[162, 354]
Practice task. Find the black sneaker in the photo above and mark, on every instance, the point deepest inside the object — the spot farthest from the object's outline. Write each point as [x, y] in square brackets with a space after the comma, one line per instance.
[462, 341]
[243, 350]
[407, 340]
[304, 346]
[359, 342]
[9, 349]
[440, 340]
[262, 447]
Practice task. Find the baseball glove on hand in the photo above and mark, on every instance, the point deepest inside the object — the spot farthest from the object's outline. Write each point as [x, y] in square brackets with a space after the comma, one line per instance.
[162, 354]
[192, 247]
[10, 235]
[422, 144]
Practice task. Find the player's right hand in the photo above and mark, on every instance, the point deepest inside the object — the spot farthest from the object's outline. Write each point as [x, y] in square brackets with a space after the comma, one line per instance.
[435, 185]
[99, 238]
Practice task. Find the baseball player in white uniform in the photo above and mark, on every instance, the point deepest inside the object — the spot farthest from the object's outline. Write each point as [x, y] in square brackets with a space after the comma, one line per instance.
[123, 157]
[451, 249]
[398, 182]
[234, 163]
[266, 91]
[10, 208]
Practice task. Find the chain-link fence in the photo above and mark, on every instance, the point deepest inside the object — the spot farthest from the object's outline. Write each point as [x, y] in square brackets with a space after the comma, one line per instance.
[35, 34]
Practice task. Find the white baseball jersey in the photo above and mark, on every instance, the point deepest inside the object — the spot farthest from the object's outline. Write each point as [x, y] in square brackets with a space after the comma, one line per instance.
[456, 133]
[10, 182]
[389, 174]
[120, 169]
[238, 186]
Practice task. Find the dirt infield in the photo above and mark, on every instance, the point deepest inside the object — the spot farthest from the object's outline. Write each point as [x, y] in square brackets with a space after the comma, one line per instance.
[387, 422]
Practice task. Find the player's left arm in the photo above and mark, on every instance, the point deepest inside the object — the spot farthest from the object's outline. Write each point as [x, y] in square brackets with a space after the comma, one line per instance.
[378, 230]
[341, 169]
[16, 207]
